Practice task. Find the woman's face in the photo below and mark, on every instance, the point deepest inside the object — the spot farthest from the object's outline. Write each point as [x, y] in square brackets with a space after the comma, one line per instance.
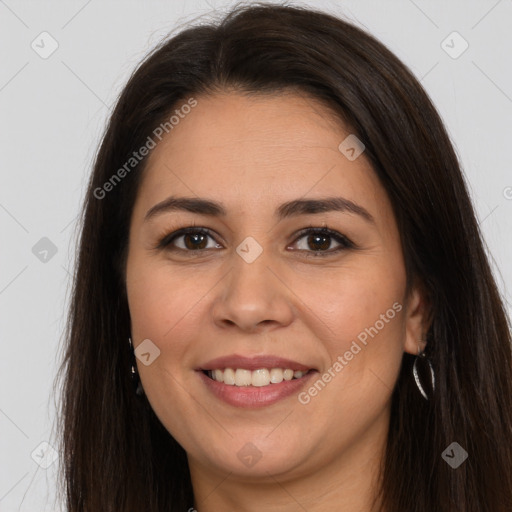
[256, 292]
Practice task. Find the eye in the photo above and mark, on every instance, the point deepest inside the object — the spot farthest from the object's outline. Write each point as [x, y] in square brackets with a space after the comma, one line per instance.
[320, 240]
[193, 239]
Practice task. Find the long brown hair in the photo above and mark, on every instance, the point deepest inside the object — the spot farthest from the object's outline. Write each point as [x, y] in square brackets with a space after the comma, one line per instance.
[117, 456]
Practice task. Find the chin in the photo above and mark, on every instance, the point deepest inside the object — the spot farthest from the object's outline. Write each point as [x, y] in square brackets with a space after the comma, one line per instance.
[258, 458]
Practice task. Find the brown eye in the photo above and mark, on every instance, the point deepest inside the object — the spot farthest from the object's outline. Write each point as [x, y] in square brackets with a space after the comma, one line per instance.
[318, 241]
[194, 239]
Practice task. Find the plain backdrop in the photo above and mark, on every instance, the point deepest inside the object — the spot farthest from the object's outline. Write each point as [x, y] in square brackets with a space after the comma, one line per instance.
[53, 109]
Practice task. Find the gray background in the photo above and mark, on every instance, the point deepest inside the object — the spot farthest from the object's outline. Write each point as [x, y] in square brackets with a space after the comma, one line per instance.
[53, 112]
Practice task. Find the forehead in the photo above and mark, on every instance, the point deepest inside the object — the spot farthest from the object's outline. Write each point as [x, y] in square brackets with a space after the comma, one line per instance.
[249, 149]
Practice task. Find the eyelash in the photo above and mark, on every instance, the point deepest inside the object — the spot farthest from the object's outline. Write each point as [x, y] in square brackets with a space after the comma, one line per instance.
[168, 239]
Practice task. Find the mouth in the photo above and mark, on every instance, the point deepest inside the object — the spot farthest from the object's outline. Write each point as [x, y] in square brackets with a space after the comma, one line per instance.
[261, 377]
[254, 382]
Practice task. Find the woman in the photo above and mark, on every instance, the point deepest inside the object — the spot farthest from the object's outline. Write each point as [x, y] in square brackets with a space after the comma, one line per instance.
[282, 300]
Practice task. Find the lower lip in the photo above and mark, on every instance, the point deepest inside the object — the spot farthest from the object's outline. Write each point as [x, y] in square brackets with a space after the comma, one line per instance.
[252, 396]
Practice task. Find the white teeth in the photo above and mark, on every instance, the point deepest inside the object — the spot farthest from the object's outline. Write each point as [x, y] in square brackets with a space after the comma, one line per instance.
[288, 375]
[276, 375]
[260, 377]
[228, 374]
[243, 377]
[257, 378]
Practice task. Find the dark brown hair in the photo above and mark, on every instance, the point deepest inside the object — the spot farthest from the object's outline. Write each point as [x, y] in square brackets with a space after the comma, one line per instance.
[118, 457]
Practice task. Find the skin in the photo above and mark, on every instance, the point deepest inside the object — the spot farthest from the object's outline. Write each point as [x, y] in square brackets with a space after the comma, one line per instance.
[253, 154]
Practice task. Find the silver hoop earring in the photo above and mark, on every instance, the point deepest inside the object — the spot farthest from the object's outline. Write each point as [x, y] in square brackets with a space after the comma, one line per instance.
[416, 376]
[137, 385]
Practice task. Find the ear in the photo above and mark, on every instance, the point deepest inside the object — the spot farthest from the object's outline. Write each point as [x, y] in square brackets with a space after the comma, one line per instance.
[417, 318]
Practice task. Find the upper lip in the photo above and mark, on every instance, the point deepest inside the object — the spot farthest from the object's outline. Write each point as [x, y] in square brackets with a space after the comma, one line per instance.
[253, 363]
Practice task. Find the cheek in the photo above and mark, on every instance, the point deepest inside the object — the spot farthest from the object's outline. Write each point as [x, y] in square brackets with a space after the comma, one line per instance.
[167, 305]
[363, 310]
[351, 300]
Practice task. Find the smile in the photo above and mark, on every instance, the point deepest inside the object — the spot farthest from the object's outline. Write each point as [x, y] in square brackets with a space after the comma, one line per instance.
[254, 381]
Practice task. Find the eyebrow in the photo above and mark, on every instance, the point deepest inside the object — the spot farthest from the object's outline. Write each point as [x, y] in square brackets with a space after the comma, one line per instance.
[289, 209]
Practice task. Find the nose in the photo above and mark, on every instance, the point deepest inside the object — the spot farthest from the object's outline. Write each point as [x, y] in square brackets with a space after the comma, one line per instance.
[253, 297]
